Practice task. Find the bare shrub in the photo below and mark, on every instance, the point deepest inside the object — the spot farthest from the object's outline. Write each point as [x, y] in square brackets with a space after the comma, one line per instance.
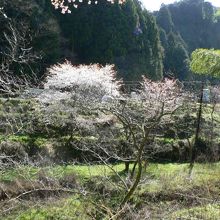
[11, 150]
[15, 53]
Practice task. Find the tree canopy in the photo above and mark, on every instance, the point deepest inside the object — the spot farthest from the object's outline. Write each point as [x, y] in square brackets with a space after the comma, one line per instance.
[125, 35]
[194, 24]
[206, 61]
[122, 34]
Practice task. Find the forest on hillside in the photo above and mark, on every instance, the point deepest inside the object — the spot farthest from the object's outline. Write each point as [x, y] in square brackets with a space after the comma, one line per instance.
[109, 111]
[136, 41]
[185, 26]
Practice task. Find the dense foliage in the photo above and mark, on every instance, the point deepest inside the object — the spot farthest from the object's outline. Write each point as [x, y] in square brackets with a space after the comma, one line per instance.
[124, 35]
[185, 26]
[34, 35]
[206, 62]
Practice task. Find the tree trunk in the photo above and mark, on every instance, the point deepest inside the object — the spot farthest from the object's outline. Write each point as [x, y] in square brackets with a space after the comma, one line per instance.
[195, 146]
[127, 163]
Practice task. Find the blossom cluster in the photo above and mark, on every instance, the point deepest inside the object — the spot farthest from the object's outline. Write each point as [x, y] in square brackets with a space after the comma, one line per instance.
[84, 82]
[64, 4]
[166, 92]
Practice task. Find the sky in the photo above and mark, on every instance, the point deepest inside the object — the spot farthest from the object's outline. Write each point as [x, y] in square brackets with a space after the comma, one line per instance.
[153, 5]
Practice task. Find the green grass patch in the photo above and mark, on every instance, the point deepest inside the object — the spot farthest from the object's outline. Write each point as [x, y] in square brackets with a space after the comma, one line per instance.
[175, 177]
[16, 138]
[207, 212]
[64, 209]
[82, 171]
[37, 140]
[21, 172]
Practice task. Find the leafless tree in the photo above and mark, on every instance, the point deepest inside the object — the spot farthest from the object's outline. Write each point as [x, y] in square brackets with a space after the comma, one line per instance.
[16, 53]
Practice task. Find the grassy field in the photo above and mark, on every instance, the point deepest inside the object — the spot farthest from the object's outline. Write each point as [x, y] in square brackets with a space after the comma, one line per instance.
[167, 192]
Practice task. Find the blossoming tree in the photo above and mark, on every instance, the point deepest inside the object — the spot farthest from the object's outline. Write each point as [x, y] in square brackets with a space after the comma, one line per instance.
[141, 118]
[83, 83]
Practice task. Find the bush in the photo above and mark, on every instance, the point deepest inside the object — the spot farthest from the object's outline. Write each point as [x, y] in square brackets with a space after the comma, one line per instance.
[13, 151]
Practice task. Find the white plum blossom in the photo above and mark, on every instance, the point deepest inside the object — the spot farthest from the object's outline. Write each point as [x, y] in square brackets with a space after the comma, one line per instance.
[87, 82]
[51, 96]
[166, 93]
[64, 4]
